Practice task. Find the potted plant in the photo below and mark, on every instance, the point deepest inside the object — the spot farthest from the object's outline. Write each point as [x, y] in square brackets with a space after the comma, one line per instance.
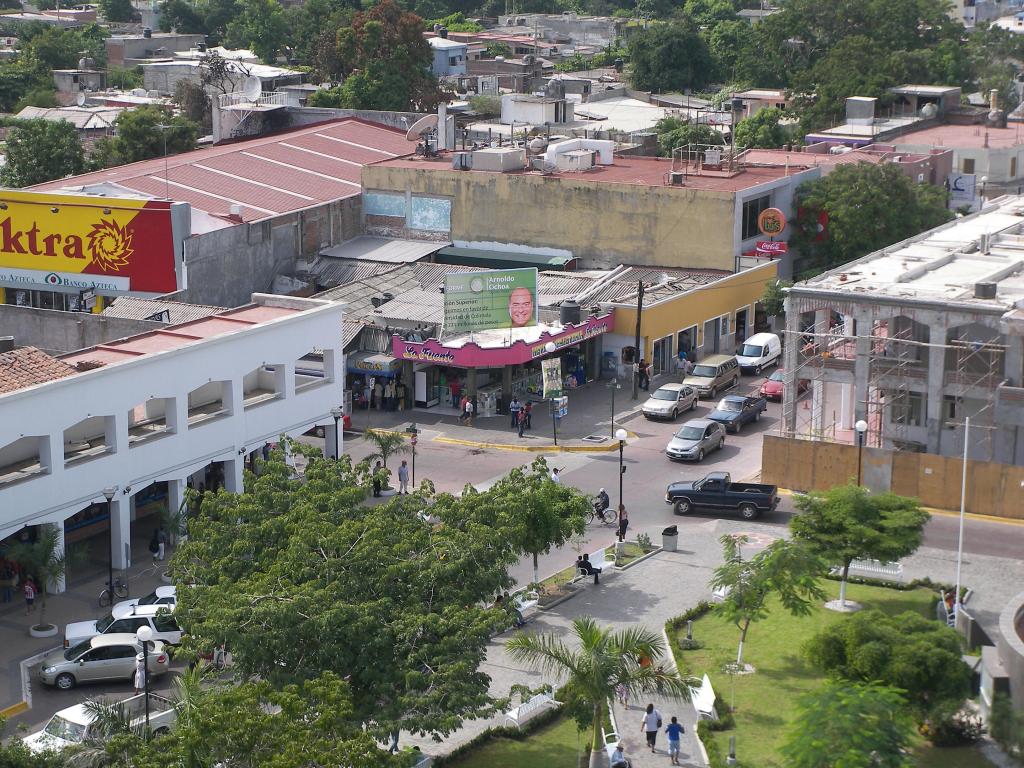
[47, 564]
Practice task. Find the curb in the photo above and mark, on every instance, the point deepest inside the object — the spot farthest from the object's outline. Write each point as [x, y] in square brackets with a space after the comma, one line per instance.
[937, 511]
[639, 560]
[14, 709]
[613, 446]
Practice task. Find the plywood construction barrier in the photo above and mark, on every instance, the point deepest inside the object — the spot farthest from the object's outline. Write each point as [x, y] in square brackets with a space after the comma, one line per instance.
[808, 465]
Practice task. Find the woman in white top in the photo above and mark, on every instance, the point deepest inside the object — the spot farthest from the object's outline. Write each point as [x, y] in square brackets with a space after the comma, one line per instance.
[650, 725]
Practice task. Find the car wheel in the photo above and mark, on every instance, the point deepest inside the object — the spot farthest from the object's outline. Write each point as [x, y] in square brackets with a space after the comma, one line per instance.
[736, 382]
[693, 404]
[65, 681]
[700, 455]
[683, 507]
[721, 443]
[757, 370]
[714, 391]
[675, 414]
[748, 511]
[757, 416]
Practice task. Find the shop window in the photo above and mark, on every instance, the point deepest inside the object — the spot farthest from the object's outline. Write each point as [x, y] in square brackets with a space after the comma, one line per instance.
[384, 204]
[968, 164]
[751, 210]
[686, 340]
[662, 355]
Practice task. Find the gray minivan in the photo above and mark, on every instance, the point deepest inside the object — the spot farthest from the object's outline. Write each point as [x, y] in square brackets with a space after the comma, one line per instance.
[713, 374]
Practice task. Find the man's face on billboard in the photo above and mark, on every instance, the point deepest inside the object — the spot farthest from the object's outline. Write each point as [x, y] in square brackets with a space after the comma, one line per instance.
[520, 307]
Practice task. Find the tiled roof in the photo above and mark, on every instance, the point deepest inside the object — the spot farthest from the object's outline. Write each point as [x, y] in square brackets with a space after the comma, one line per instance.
[266, 176]
[132, 308]
[28, 366]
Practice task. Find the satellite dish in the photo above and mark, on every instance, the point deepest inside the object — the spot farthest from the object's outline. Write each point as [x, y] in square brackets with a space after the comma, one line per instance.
[80, 98]
[424, 125]
[253, 88]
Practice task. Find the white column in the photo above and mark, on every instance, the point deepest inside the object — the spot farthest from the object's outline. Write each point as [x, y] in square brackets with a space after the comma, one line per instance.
[329, 439]
[58, 585]
[234, 474]
[121, 530]
[175, 498]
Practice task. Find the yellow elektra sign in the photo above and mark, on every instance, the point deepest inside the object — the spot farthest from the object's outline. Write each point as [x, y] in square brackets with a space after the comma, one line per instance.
[126, 244]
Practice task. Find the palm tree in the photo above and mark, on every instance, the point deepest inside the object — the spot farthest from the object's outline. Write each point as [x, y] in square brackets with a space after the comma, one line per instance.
[387, 444]
[45, 561]
[605, 659]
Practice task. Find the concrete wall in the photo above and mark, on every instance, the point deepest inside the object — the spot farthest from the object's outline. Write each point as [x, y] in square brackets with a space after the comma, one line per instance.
[226, 266]
[602, 224]
[809, 465]
[57, 332]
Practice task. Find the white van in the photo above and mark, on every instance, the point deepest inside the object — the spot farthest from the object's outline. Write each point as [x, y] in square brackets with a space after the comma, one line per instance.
[760, 351]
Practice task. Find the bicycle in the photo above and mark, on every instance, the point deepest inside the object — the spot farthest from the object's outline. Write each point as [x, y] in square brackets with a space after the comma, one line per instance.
[120, 590]
[607, 515]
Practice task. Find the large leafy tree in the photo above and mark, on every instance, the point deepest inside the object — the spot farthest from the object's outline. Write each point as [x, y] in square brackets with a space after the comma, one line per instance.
[674, 133]
[300, 579]
[261, 26]
[867, 207]
[848, 523]
[537, 513]
[763, 129]
[784, 570]
[669, 57]
[118, 10]
[917, 655]
[600, 660]
[141, 137]
[41, 150]
[844, 725]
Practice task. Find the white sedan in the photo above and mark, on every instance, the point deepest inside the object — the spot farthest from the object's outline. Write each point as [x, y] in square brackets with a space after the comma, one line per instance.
[160, 596]
[669, 400]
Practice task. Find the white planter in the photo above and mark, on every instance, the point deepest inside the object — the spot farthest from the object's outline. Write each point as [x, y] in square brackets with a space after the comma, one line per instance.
[46, 631]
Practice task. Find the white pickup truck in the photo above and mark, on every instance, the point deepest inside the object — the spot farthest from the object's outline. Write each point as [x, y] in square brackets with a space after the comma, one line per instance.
[74, 725]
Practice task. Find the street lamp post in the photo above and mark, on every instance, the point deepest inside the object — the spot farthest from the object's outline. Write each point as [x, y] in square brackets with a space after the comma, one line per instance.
[108, 493]
[613, 385]
[145, 634]
[620, 435]
[861, 427]
[550, 348]
[337, 412]
[412, 441]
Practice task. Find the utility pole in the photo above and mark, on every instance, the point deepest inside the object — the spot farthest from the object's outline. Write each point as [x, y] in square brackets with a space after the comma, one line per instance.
[636, 342]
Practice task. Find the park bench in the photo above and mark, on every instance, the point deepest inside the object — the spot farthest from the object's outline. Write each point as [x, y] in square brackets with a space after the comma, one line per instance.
[597, 560]
[611, 740]
[527, 602]
[519, 715]
[704, 700]
[874, 568]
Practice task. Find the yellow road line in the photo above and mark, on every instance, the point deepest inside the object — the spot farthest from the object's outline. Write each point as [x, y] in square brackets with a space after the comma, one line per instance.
[14, 709]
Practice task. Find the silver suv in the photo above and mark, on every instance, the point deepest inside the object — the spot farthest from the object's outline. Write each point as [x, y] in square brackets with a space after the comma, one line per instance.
[714, 374]
[694, 439]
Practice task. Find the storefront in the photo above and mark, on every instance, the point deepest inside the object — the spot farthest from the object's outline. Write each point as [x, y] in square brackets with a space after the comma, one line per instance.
[487, 367]
[369, 377]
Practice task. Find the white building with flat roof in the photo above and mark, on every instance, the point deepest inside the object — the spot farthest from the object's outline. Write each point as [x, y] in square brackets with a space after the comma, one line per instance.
[158, 408]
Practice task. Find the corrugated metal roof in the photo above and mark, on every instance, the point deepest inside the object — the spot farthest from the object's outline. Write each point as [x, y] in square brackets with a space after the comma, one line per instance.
[414, 306]
[382, 249]
[132, 308]
[266, 176]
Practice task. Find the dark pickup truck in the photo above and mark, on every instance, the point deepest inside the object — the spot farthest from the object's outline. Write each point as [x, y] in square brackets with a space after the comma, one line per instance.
[717, 492]
[733, 411]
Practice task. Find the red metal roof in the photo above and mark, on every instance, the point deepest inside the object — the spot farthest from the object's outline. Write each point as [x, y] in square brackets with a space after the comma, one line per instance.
[267, 176]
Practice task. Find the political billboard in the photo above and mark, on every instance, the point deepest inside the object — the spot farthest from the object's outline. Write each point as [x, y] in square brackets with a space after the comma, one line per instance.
[73, 243]
[497, 298]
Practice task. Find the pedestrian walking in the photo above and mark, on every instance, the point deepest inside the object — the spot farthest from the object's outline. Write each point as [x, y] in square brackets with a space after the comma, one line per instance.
[555, 477]
[514, 408]
[650, 725]
[468, 410]
[528, 410]
[623, 522]
[161, 542]
[522, 422]
[29, 591]
[674, 731]
[622, 692]
[154, 544]
[140, 674]
[378, 395]
[377, 469]
[645, 377]
[403, 478]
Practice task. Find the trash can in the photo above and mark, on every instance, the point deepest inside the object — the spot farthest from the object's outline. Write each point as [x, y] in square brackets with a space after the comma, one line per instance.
[669, 538]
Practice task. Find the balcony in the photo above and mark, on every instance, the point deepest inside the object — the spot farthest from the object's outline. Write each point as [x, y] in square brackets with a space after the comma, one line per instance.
[1010, 405]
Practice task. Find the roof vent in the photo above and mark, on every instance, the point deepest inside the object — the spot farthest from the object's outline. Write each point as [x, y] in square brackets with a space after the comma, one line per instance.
[985, 290]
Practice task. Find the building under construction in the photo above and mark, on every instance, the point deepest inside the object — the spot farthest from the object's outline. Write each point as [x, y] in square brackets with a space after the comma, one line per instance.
[914, 340]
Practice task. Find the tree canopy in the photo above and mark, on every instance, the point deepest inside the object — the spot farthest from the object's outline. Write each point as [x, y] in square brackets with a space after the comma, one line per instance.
[41, 150]
[299, 578]
[140, 137]
[866, 207]
[785, 570]
[848, 523]
[762, 130]
[261, 26]
[669, 57]
[674, 132]
[920, 656]
[850, 725]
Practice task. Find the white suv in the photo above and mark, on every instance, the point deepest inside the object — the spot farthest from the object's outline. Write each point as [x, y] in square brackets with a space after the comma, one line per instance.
[127, 618]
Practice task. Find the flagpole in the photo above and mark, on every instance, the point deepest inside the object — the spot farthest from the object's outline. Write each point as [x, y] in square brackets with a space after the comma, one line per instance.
[960, 536]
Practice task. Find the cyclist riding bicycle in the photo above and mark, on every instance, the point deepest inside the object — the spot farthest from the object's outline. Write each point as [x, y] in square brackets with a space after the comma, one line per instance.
[602, 502]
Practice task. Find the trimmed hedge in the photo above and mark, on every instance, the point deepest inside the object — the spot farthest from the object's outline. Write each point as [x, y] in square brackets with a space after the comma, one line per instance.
[501, 732]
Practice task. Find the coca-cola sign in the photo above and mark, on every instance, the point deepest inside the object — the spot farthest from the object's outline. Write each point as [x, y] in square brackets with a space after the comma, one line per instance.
[772, 247]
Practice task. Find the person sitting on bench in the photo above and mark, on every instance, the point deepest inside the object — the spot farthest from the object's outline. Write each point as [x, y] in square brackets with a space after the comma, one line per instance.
[583, 563]
[618, 759]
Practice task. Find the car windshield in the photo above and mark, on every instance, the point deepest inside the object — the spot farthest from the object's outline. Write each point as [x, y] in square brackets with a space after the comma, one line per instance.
[75, 651]
[729, 405]
[65, 729]
[102, 624]
[665, 394]
[777, 376]
[690, 433]
[751, 350]
[703, 370]
[149, 599]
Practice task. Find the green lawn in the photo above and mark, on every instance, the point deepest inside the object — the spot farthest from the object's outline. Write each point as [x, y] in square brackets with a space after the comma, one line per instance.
[558, 745]
[765, 702]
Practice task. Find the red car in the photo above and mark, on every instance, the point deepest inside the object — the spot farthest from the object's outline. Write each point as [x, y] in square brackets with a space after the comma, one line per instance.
[772, 387]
